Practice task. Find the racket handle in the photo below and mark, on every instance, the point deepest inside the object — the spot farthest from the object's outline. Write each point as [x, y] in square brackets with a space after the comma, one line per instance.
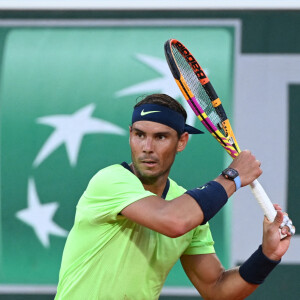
[263, 200]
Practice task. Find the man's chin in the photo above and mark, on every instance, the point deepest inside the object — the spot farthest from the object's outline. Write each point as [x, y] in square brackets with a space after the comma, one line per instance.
[151, 174]
[148, 175]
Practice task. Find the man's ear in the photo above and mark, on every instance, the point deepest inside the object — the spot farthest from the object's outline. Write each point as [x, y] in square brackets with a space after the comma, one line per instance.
[182, 141]
[130, 131]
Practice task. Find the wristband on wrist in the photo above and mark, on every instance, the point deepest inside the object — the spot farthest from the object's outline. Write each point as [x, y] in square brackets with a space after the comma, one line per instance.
[257, 267]
[211, 197]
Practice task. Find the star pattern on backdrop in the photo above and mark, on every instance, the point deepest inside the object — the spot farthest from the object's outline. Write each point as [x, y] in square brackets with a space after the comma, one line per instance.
[70, 130]
[165, 83]
[40, 216]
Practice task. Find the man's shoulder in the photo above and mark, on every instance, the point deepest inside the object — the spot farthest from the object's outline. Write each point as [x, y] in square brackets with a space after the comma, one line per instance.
[109, 179]
[111, 168]
[111, 171]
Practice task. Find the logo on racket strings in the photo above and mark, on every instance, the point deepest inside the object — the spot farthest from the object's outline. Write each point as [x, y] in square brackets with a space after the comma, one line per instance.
[192, 62]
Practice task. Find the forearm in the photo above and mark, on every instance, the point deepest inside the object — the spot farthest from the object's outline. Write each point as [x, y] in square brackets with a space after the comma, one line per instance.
[240, 282]
[197, 206]
[180, 215]
[230, 286]
[212, 281]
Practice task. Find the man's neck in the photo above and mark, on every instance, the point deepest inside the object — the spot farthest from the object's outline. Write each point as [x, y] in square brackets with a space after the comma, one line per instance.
[153, 185]
[156, 188]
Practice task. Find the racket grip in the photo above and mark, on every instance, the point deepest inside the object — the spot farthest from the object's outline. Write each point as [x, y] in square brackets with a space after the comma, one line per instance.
[263, 200]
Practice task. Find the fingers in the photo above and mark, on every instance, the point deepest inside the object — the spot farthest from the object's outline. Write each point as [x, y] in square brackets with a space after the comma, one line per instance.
[279, 218]
[287, 226]
[277, 206]
[283, 222]
[247, 166]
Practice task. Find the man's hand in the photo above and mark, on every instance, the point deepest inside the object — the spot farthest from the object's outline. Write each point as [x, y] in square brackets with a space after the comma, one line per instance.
[273, 246]
[247, 166]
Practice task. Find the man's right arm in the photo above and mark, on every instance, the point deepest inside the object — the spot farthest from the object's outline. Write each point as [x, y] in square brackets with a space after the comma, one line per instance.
[180, 215]
[214, 282]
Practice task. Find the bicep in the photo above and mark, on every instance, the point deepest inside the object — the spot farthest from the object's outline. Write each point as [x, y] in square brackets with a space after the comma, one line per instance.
[172, 218]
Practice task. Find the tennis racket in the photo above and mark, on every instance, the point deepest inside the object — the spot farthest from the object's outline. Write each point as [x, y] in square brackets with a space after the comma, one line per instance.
[204, 101]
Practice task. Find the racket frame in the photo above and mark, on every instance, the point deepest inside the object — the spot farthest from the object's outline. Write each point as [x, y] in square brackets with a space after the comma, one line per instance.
[228, 141]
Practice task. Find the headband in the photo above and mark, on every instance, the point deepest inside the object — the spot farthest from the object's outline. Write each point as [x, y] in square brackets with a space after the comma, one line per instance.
[164, 115]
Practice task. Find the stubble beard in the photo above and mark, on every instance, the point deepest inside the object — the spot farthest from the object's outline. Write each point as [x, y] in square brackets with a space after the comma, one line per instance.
[145, 177]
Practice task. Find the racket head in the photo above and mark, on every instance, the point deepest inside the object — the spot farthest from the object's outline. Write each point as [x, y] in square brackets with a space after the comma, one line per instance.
[190, 78]
[200, 94]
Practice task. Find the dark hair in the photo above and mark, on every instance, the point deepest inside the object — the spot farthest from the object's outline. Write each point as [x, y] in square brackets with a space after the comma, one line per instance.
[164, 100]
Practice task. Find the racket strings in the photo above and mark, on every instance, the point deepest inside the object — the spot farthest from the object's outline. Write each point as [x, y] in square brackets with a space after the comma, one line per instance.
[197, 88]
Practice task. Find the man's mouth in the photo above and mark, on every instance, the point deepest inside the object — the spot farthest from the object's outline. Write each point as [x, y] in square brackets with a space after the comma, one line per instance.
[149, 162]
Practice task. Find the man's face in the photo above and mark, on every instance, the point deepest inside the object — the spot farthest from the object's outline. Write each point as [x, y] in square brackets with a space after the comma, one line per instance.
[153, 149]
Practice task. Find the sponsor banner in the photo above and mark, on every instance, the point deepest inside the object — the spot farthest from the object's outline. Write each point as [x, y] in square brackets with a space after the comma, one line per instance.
[66, 99]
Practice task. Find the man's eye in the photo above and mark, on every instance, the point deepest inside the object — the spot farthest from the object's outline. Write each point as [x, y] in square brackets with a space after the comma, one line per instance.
[161, 137]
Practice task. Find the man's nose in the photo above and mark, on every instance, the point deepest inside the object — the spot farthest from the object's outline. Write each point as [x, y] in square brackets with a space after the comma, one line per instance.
[148, 145]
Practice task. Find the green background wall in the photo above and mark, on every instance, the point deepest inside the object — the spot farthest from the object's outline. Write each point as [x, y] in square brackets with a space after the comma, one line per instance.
[51, 71]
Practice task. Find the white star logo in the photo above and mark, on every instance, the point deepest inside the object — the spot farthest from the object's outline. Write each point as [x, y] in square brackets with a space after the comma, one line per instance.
[70, 129]
[164, 84]
[39, 216]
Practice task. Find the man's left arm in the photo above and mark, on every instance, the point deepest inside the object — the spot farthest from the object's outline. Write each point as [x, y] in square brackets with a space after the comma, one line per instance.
[207, 274]
[213, 282]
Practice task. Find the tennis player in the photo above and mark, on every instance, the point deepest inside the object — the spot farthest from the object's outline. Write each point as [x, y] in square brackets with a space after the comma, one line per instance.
[133, 222]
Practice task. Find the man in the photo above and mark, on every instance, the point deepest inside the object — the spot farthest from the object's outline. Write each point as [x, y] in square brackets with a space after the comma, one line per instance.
[133, 223]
